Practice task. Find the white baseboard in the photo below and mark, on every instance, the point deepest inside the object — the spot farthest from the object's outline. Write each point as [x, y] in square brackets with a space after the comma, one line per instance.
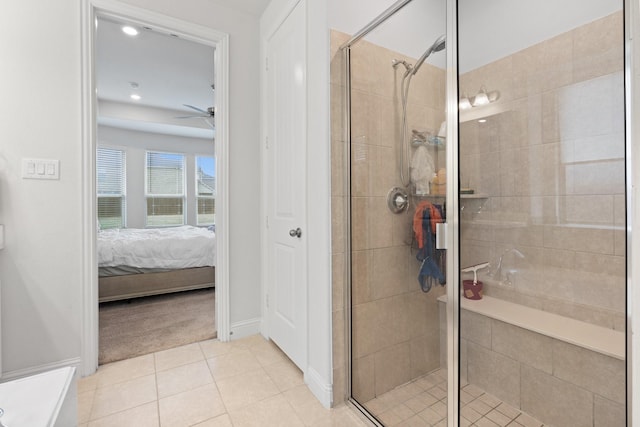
[320, 389]
[245, 328]
[21, 373]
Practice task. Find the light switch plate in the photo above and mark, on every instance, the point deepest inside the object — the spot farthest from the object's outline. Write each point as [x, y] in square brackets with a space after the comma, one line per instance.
[40, 169]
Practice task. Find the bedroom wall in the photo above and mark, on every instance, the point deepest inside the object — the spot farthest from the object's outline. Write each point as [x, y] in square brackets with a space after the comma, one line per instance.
[40, 112]
[136, 144]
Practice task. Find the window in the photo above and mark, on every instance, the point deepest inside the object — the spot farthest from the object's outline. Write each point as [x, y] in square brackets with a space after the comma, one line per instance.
[165, 189]
[206, 190]
[110, 166]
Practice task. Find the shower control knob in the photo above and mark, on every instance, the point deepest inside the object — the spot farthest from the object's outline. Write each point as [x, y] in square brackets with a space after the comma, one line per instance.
[297, 232]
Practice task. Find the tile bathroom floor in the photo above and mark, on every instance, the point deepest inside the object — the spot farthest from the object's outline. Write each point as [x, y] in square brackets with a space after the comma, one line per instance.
[423, 403]
[248, 382]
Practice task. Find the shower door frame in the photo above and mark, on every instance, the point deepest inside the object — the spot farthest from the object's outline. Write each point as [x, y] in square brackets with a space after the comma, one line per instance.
[631, 21]
[631, 13]
[453, 218]
[452, 201]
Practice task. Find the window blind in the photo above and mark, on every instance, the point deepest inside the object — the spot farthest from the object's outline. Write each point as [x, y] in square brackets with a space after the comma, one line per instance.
[205, 190]
[111, 185]
[165, 189]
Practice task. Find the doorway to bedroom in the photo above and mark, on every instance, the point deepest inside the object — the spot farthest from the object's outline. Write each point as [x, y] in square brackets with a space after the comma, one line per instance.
[155, 188]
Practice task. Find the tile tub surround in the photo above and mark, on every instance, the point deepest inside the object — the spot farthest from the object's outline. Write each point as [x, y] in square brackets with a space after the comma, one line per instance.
[559, 370]
[550, 158]
[248, 382]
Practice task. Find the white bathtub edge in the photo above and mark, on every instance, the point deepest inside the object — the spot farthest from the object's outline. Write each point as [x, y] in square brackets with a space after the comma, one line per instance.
[593, 337]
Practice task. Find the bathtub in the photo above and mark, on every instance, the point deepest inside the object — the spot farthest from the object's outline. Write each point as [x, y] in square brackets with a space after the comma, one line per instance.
[559, 370]
[48, 399]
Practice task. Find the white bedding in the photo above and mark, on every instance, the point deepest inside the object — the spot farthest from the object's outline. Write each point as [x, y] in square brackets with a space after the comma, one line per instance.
[175, 247]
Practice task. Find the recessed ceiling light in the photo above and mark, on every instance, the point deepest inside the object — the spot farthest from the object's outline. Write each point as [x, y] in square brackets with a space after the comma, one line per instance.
[130, 31]
[482, 121]
[135, 97]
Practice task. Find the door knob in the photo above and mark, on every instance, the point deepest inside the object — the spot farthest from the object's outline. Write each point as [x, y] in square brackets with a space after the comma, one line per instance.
[297, 232]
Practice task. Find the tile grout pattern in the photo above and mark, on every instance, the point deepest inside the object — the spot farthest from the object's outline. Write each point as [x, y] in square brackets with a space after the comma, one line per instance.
[248, 382]
[423, 403]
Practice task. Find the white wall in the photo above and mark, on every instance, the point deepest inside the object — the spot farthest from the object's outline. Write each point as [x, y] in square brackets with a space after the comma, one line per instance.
[320, 373]
[40, 113]
[40, 116]
[135, 145]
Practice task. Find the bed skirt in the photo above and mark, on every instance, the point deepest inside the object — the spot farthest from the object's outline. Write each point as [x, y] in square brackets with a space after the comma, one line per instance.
[140, 285]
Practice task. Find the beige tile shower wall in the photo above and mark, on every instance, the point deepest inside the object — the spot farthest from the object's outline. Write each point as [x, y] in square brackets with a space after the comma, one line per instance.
[395, 325]
[338, 219]
[554, 381]
[551, 160]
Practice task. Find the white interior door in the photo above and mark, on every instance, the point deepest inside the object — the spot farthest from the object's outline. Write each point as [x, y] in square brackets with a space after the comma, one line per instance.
[286, 151]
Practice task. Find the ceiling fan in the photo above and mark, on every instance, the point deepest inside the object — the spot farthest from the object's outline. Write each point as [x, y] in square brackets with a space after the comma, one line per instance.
[207, 115]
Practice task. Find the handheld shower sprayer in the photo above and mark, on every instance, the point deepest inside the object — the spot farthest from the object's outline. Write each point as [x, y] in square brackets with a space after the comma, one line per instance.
[437, 46]
[410, 71]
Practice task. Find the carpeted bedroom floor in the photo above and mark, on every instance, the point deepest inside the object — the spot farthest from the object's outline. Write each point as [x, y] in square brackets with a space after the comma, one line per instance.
[146, 325]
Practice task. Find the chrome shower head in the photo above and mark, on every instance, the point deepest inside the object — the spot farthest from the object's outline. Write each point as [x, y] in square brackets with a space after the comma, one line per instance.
[437, 46]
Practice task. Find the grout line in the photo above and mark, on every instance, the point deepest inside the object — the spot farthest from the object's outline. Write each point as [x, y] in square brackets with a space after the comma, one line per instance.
[156, 399]
[93, 400]
[120, 412]
[155, 371]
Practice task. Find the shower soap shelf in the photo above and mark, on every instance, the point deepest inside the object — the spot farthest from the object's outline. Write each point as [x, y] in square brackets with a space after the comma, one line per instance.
[475, 201]
[479, 196]
[474, 196]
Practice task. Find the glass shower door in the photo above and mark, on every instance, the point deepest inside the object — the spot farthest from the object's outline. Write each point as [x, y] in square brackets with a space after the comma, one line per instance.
[397, 196]
[542, 213]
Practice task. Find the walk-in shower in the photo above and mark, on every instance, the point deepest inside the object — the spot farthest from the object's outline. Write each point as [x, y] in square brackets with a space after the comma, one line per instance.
[520, 128]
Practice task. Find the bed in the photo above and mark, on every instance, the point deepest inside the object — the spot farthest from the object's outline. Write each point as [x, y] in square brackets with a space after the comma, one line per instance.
[142, 262]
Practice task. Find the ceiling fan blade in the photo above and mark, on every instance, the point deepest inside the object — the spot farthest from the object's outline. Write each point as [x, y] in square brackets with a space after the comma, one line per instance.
[206, 118]
[191, 117]
[197, 109]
